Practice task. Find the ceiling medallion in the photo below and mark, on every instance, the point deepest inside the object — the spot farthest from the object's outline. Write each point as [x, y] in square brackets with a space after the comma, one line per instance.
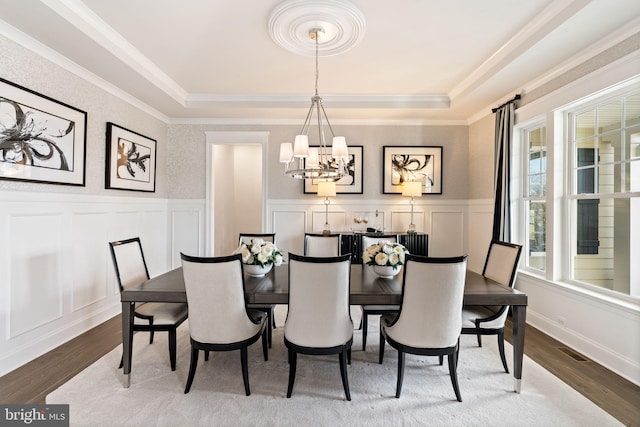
[342, 22]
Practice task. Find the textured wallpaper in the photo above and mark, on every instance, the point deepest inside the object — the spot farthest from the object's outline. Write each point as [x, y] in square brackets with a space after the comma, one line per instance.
[25, 68]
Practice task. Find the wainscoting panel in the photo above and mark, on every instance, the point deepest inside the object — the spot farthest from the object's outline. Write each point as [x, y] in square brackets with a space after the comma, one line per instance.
[447, 234]
[89, 281]
[400, 220]
[290, 226]
[57, 278]
[337, 220]
[479, 235]
[186, 234]
[35, 285]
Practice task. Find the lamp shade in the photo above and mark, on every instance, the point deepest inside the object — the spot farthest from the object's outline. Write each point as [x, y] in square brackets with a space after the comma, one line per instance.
[326, 189]
[412, 188]
[313, 159]
[339, 147]
[286, 152]
[301, 146]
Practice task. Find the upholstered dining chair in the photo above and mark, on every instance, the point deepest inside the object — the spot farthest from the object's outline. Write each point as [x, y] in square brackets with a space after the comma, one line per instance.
[319, 320]
[131, 270]
[267, 237]
[377, 309]
[321, 245]
[501, 265]
[429, 321]
[219, 319]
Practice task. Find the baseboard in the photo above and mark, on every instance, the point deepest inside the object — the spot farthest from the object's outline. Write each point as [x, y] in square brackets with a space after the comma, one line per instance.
[22, 355]
[626, 368]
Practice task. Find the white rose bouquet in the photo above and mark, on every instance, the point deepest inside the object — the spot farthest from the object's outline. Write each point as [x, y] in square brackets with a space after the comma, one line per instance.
[259, 252]
[385, 253]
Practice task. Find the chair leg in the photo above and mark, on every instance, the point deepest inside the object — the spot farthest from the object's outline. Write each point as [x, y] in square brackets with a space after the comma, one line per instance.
[479, 340]
[245, 369]
[265, 349]
[293, 359]
[501, 348]
[192, 368]
[121, 362]
[441, 359]
[349, 355]
[343, 374]
[151, 332]
[206, 355]
[381, 351]
[365, 325]
[172, 348]
[453, 373]
[400, 373]
[270, 325]
[273, 322]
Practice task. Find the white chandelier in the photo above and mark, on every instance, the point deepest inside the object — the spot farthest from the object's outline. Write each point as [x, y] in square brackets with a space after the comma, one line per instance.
[324, 163]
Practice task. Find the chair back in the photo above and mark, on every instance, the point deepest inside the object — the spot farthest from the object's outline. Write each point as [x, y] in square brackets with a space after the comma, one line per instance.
[247, 237]
[318, 314]
[322, 245]
[431, 308]
[215, 296]
[129, 262]
[501, 264]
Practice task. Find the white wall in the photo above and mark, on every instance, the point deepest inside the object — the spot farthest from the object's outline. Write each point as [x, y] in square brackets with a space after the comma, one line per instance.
[56, 274]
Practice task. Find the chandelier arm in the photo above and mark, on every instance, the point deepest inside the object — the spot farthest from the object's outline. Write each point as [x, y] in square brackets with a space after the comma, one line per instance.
[327, 119]
[307, 120]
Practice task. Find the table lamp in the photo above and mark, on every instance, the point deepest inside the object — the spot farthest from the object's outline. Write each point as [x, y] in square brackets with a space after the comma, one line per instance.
[412, 189]
[326, 189]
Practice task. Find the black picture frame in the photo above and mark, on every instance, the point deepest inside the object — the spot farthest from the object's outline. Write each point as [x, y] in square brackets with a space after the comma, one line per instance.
[350, 184]
[130, 161]
[41, 139]
[413, 163]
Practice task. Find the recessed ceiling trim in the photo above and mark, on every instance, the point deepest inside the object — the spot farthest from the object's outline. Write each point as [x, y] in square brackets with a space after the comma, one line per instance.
[343, 25]
[85, 20]
[335, 101]
[544, 23]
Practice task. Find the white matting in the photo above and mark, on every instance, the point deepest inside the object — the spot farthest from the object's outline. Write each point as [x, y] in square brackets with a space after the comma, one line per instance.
[97, 397]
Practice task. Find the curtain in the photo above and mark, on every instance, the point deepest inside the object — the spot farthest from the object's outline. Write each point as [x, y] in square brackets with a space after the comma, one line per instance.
[505, 116]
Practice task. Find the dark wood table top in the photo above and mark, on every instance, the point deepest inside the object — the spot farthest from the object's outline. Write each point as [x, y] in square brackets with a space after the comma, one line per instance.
[366, 288]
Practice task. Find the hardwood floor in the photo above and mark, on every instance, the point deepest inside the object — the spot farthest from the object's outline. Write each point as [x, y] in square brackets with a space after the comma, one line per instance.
[32, 382]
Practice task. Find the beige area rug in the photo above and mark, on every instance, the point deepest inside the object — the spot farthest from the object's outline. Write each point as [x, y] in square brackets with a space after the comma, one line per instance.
[155, 398]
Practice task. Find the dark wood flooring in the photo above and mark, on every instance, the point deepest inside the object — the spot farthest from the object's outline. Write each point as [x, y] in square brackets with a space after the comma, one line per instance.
[31, 383]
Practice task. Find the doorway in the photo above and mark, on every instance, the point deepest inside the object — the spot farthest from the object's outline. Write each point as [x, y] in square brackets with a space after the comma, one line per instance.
[235, 188]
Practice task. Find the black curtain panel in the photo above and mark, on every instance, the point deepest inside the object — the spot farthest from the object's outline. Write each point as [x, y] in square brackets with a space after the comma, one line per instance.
[505, 116]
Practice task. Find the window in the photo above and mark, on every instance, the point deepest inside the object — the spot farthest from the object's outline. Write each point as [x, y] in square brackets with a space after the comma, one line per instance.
[605, 141]
[535, 167]
[579, 200]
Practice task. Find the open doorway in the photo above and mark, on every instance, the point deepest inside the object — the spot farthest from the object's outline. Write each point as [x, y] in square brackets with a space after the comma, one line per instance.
[235, 188]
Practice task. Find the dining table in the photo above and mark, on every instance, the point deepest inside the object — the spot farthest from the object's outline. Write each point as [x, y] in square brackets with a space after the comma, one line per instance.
[366, 288]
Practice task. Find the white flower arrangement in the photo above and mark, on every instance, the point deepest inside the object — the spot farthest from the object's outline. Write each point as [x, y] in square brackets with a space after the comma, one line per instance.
[385, 253]
[259, 252]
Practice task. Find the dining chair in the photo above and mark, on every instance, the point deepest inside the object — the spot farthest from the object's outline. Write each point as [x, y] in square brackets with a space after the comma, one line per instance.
[131, 270]
[321, 245]
[319, 319]
[429, 321]
[376, 309]
[269, 308]
[501, 265]
[219, 319]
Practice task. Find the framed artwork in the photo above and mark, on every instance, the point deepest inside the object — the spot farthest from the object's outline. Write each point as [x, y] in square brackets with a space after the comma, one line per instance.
[349, 184]
[411, 163]
[131, 160]
[41, 139]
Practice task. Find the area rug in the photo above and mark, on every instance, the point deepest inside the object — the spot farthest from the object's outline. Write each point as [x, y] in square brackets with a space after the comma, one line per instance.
[155, 398]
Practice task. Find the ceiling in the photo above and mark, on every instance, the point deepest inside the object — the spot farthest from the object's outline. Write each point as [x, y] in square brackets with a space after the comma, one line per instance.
[415, 60]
